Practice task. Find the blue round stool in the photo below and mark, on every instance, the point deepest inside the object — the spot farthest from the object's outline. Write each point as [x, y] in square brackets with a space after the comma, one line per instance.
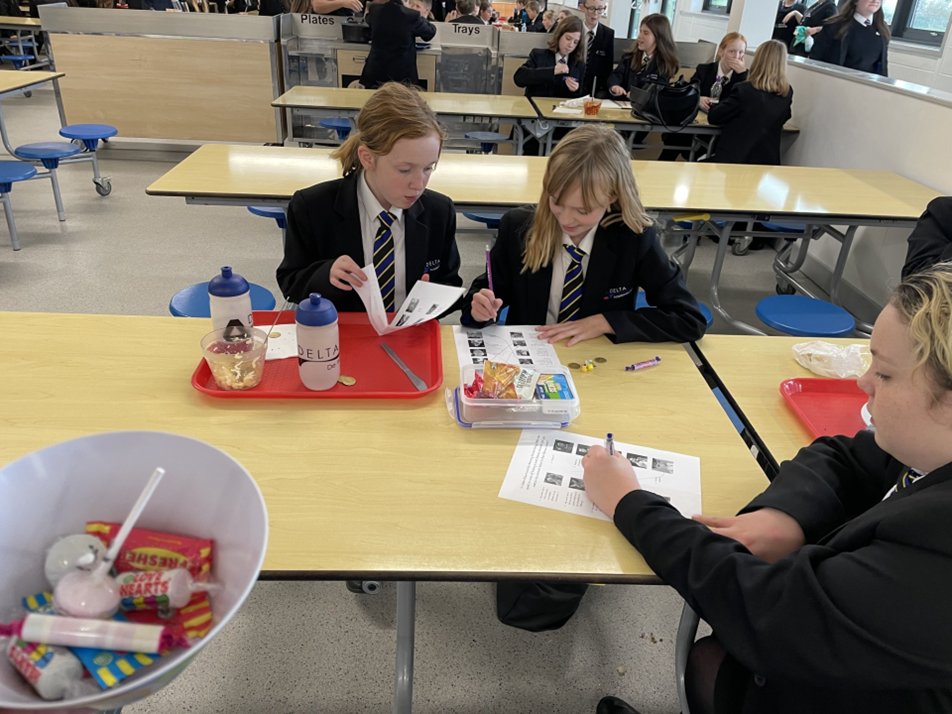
[804, 316]
[641, 301]
[275, 212]
[17, 60]
[193, 300]
[490, 219]
[90, 135]
[49, 153]
[339, 124]
[10, 173]
[487, 139]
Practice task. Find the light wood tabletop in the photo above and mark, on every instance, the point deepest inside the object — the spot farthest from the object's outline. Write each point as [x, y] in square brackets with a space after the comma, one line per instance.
[751, 369]
[548, 109]
[12, 80]
[358, 488]
[26, 23]
[443, 103]
[231, 173]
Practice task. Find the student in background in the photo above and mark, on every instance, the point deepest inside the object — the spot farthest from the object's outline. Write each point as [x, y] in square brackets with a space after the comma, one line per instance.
[341, 8]
[337, 227]
[466, 13]
[715, 81]
[931, 240]
[534, 13]
[486, 12]
[828, 593]
[786, 21]
[752, 116]
[424, 7]
[548, 20]
[856, 37]
[519, 17]
[573, 265]
[599, 43]
[813, 19]
[393, 32]
[655, 56]
[556, 70]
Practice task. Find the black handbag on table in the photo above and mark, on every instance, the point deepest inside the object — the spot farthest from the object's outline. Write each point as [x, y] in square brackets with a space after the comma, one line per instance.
[660, 102]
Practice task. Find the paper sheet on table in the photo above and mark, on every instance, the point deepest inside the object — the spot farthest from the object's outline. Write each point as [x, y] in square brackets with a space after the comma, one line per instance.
[567, 110]
[546, 470]
[511, 344]
[425, 301]
[282, 341]
[615, 104]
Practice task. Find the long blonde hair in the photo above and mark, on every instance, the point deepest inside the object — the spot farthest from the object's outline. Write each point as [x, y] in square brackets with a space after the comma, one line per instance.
[768, 71]
[594, 158]
[395, 111]
[924, 302]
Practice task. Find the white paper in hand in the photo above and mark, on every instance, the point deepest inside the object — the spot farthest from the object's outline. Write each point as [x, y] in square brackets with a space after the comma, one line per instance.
[425, 302]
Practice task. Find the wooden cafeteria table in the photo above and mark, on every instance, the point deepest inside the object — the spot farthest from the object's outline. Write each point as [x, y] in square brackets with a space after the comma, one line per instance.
[14, 81]
[368, 489]
[750, 370]
[32, 28]
[347, 102]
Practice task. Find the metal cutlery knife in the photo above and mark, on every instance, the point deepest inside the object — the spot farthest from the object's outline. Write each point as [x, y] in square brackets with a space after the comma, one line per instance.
[417, 382]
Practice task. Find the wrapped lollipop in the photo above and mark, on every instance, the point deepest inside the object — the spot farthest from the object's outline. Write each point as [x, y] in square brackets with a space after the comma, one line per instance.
[160, 590]
[95, 594]
[86, 632]
[73, 552]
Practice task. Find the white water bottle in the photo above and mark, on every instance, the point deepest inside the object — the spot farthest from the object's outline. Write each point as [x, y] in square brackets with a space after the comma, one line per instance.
[318, 343]
[229, 300]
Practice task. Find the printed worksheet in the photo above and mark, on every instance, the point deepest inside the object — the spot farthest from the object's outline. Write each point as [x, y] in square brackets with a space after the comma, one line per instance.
[425, 301]
[546, 470]
[511, 344]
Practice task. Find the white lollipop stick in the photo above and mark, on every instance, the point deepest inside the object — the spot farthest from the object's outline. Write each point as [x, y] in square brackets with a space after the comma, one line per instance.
[130, 521]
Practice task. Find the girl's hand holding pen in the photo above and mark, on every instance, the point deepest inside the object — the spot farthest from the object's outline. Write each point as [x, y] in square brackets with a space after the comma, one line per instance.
[576, 331]
[346, 274]
[608, 478]
[485, 306]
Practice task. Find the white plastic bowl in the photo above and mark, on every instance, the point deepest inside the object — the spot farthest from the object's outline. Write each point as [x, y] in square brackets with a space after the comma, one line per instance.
[54, 491]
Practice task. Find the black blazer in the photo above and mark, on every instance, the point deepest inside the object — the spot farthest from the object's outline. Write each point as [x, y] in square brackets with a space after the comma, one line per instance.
[324, 224]
[706, 74]
[620, 263]
[598, 64]
[751, 124]
[827, 47]
[821, 628]
[538, 76]
[536, 25]
[393, 29]
[467, 20]
[626, 78]
[816, 15]
[931, 240]
[784, 32]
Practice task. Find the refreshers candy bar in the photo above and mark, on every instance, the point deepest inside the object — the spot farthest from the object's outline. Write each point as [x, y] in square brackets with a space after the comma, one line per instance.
[153, 550]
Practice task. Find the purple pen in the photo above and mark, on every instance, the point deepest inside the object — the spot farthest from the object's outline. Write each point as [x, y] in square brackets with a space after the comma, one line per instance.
[489, 269]
[642, 365]
[610, 443]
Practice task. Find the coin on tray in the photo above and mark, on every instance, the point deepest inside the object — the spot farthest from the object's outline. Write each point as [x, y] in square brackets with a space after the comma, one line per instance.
[347, 380]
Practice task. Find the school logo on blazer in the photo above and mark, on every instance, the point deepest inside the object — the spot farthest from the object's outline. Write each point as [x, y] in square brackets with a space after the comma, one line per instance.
[619, 292]
[431, 265]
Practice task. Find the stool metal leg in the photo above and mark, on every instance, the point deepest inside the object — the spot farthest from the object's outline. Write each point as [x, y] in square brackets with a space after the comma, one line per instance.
[687, 628]
[406, 624]
[60, 211]
[11, 224]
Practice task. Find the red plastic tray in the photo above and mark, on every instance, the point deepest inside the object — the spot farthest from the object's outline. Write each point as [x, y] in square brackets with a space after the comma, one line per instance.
[361, 357]
[827, 407]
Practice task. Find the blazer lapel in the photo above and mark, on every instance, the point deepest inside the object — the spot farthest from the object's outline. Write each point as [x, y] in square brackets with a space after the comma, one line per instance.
[601, 265]
[416, 240]
[347, 215]
[537, 295]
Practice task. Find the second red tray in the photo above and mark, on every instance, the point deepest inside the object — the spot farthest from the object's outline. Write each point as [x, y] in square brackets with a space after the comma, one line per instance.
[361, 357]
[827, 407]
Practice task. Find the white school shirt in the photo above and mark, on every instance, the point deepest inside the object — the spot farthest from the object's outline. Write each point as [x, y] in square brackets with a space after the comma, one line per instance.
[864, 21]
[560, 265]
[370, 209]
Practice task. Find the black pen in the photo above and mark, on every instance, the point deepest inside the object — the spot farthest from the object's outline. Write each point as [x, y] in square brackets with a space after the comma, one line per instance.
[610, 443]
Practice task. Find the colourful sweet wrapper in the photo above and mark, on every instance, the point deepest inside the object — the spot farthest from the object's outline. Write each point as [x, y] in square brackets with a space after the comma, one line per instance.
[145, 549]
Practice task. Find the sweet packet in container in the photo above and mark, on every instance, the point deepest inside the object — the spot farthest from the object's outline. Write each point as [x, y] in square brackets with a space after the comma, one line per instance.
[507, 381]
[829, 360]
[145, 549]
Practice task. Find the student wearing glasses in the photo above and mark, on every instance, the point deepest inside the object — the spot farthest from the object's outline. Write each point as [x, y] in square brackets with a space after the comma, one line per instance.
[598, 45]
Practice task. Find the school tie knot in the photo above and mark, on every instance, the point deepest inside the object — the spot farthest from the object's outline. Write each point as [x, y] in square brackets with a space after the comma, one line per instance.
[383, 259]
[572, 285]
[907, 478]
[563, 60]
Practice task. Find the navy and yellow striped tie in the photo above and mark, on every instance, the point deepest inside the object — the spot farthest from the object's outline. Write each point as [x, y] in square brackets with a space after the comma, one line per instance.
[572, 287]
[907, 478]
[383, 259]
